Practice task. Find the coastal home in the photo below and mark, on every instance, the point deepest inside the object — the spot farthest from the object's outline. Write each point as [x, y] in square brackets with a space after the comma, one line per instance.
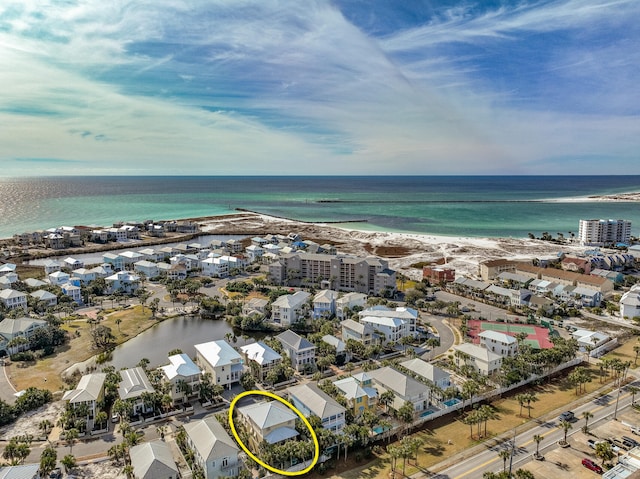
[577, 265]
[215, 267]
[83, 275]
[221, 360]
[261, 359]
[12, 328]
[361, 332]
[48, 299]
[289, 308]
[255, 306]
[324, 304]
[89, 392]
[7, 268]
[13, 299]
[471, 286]
[214, 451]
[254, 253]
[7, 281]
[542, 286]
[133, 386]
[630, 303]
[271, 422]
[615, 276]
[123, 281]
[116, 261]
[34, 283]
[150, 254]
[340, 347]
[301, 352]
[408, 316]
[347, 302]
[540, 304]
[59, 278]
[153, 460]
[184, 377]
[433, 374]
[72, 291]
[189, 261]
[499, 343]
[587, 296]
[513, 280]
[148, 268]
[129, 258]
[50, 265]
[310, 399]
[403, 387]
[589, 340]
[360, 394]
[72, 263]
[480, 359]
[387, 330]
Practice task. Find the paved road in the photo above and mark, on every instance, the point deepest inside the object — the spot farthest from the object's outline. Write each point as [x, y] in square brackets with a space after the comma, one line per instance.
[487, 459]
[6, 388]
[444, 331]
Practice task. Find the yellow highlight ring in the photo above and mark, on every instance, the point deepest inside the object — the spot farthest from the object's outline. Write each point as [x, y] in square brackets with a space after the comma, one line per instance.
[316, 455]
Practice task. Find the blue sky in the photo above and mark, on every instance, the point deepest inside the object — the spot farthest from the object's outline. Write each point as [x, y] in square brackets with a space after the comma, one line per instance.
[329, 87]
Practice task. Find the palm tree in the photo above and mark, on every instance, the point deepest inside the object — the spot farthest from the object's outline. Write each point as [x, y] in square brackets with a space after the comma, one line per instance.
[538, 439]
[636, 349]
[531, 397]
[48, 460]
[504, 454]
[604, 451]
[586, 415]
[521, 398]
[71, 436]
[633, 390]
[45, 425]
[69, 463]
[565, 425]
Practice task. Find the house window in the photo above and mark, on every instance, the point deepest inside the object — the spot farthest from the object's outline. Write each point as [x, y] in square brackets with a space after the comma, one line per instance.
[225, 462]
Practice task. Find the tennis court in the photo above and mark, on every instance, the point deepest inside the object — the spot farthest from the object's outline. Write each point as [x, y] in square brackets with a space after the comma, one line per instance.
[537, 336]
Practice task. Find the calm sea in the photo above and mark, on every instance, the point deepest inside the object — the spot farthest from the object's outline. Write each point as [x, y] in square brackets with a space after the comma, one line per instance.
[449, 205]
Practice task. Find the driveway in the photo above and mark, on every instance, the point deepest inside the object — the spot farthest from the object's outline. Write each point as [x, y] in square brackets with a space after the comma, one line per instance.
[6, 388]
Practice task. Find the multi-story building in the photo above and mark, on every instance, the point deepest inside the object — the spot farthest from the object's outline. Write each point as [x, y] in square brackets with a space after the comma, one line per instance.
[260, 358]
[183, 375]
[289, 308]
[221, 360]
[404, 388]
[301, 352]
[214, 450]
[601, 232]
[310, 399]
[439, 274]
[340, 272]
[499, 343]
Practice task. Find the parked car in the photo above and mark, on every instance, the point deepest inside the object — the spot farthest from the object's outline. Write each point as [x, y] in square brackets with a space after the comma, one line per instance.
[592, 443]
[635, 430]
[631, 442]
[614, 448]
[589, 464]
[620, 444]
[55, 474]
[567, 416]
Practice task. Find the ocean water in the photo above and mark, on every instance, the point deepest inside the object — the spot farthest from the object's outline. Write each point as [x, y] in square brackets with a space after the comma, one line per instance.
[496, 206]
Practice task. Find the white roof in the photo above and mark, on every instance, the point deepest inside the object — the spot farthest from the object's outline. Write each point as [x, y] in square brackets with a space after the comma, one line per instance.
[291, 300]
[11, 293]
[181, 365]
[335, 342]
[397, 382]
[88, 389]
[425, 369]
[383, 321]
[268, 414]
[153, 459]
[218, 353]
[210, 439]
[260, 353]
[134, 383]
[316, 401]
[497, 336]
[478, 352]
[351, 388]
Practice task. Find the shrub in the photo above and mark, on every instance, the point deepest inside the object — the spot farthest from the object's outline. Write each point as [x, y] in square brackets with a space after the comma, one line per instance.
[23, 356]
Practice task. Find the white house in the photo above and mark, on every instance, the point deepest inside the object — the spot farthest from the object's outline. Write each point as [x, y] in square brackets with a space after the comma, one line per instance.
[349, 301]
[148, 268]
[404, 388]
[310, 399]
[83, 275]
[324, 303]
[214, 450]
[271, 421]
[409, 316]
[11, 328]
[388, 330]
[49, 299]
[50, 266]
[301, 352]
[72, 263]
[589, 340]
[89, 392]
[481, 359]
[361, 332]
[59, 278]
[215, 267]
[499, 343]
[72, 291]
[288, 308]
[130, 257]
[13, 299]
[630, 303]
[134, 384]
[221, 360]
[183, 375]
[431, 373]
[254, 253]
[116, 261]
[123, 281]
[261, 358]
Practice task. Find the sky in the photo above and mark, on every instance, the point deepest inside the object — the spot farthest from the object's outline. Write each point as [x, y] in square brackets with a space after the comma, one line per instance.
[379, 87]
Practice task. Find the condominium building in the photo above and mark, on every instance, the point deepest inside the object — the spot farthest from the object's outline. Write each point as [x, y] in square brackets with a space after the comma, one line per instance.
[604, 232]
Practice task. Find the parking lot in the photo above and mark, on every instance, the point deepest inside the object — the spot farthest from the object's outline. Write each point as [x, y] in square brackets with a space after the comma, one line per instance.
[567, 462]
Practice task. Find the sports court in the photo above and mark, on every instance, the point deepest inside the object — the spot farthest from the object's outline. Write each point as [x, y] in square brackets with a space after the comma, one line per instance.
[537, 336]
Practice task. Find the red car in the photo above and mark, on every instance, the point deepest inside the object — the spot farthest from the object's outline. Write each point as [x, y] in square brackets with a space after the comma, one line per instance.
[589, 464]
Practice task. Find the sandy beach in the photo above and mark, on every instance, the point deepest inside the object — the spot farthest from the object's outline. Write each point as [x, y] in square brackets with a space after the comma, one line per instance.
[401, 249]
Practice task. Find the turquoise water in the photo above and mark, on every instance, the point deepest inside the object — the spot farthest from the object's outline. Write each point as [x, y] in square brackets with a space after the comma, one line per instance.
[451, 402]
[426, 413]
[456, 206]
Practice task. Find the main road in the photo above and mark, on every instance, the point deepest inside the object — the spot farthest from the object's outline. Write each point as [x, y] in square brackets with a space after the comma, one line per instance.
[487, 458]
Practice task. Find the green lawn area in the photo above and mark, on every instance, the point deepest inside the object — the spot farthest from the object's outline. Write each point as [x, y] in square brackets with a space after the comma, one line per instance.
[625, 352]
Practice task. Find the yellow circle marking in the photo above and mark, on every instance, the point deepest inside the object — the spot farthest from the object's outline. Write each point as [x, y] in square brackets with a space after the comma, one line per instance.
[316, 455]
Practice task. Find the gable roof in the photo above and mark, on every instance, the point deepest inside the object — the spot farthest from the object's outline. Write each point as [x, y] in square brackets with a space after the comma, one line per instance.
[291, 300]
[218, 353]
[12, 326]
[268, 414]
[397, 382]
[498, 336]
[134, 383]
[25, 471]
[153, 459]
[356, 326]
[316, 400]
[425, 369]
[478, 352]
[260, 353]
[351, 388]
[88, 389]
[294, 341]
[181, 365]
[11, 293]
[210, 439]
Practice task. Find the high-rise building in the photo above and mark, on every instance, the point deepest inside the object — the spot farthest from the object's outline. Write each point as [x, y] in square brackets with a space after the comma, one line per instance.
[604, 232]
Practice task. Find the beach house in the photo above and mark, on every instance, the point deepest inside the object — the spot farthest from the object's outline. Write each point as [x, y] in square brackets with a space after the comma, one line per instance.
[499, 343]
[310, 399]
[153, 460]
[221, 360]
[13, 299]
[324, 304]
[289, 308]
[214, 451]
[347, 302]
[13, 328]
[271, 422]
[184, 377]
[301, 352]
[403, 387]
[359, 391]
[261, 359]
[89, 392]
[133, 387]
[479, 358]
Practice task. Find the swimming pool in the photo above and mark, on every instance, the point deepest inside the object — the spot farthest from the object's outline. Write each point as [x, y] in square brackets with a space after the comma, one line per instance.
[426, 413]
[451, 402]
[380, 429]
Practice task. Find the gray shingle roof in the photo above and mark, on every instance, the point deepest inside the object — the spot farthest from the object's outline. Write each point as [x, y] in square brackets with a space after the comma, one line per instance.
[294, 340]
[210, 439]
[153, 459]
[316, 400]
